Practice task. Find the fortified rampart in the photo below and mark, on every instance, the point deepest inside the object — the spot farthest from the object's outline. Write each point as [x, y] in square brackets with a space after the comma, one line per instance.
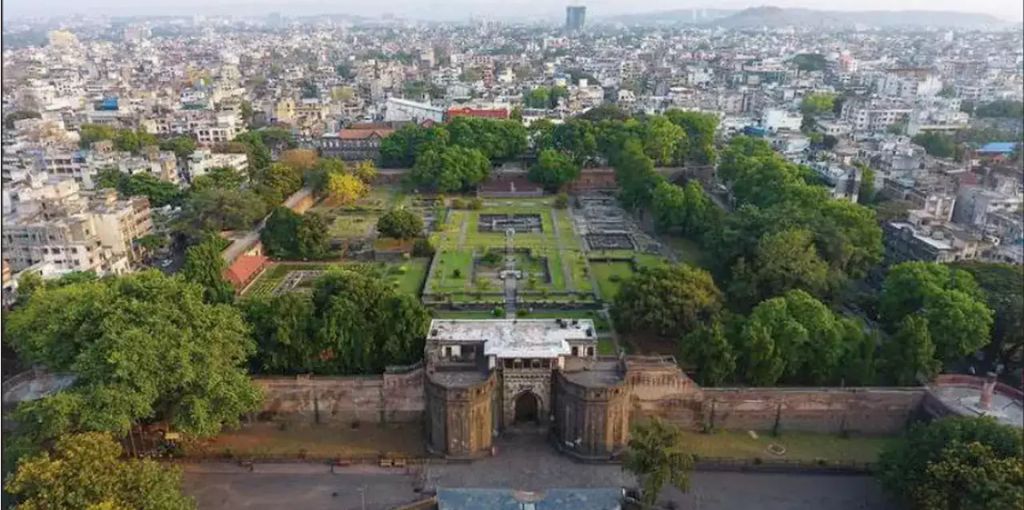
[395, 396]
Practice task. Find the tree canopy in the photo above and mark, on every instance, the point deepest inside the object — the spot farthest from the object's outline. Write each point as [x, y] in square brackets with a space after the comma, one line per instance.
[205, 266]
[159, 193]
[667, 300]
[554, 170]
[955, 464]
[141, 347]
[449, 169]
[400, 224]
[86, 472]
[949, 300]
[655, 455]
[289, 235]
[354, 323]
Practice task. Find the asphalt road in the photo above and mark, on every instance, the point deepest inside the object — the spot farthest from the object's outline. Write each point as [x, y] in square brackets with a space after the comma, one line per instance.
[522, 462]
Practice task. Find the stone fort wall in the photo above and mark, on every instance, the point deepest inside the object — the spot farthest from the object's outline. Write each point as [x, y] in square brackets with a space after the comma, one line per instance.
[391, 397]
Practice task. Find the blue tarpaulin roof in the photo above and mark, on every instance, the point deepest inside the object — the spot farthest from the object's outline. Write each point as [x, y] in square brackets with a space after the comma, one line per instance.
[997, 148]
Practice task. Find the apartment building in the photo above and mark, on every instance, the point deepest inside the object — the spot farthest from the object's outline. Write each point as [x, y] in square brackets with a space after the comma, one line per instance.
[56, 229]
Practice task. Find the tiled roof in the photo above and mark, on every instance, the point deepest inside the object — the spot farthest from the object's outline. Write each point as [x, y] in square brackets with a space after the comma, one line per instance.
[244, 268]
[360, 134]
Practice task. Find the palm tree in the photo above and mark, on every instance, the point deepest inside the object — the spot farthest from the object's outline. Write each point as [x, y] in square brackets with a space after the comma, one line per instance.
[655, 456]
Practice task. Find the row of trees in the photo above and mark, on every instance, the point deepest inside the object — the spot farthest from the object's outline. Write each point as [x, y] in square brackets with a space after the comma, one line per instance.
[355, 322]
[141, 348]
[786, 231]
[933, 315]
[675, 138]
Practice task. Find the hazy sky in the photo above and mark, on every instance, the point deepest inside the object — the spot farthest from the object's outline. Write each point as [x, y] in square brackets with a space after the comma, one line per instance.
[1012, 10]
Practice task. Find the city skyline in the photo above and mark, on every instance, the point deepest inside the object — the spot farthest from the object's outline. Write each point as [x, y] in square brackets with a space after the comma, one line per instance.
[451, 10]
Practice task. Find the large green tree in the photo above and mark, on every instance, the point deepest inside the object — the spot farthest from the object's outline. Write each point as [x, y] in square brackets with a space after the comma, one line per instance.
[141, 347]
[400, 224]
[956, 464]
[279, 234]
[708, 349]
[355, 323]
[782, 261]
[700, 132]
[497, 139]
[910, 353]
[159, 193]
[655, 455]
[554, 170]
[205, 266]
[792, 337]
[450, 169]
[215, 210]
[958, 318]
[667, 300]
[87, 472]
[1002, 286]
[400, 149]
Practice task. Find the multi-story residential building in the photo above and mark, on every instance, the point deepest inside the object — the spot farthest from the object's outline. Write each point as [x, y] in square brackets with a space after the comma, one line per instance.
[874, 116]
[52, 227]
[909, 83]
[975, 204]
[203, 160]
[918, 239]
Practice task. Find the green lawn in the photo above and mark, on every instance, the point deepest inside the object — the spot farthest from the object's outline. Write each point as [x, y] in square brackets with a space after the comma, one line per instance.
[356, 224]
[408, 280]
[606, 347]
[409, 275]
[445, 278]
[610, 276]
[271, 440]
[458, 238]
[689, 251]
[462, 314]
[799, 446]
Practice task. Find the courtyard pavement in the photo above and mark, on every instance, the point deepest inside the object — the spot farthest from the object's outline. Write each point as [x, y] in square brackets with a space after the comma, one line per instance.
[524, 461]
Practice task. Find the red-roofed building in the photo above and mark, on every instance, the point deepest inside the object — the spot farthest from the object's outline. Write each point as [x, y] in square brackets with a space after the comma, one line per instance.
[244, 270]
[483, 113]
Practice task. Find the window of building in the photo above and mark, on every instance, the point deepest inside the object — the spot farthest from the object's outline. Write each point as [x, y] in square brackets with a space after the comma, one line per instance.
[575, 351]
[534, 363]
[518, 363]
[447, 351]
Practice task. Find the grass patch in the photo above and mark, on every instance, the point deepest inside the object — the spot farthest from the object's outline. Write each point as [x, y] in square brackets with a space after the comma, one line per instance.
[353, 225]
[799, 446]
[271, 440]
[610, 277]
[462, 314]
[606, 347]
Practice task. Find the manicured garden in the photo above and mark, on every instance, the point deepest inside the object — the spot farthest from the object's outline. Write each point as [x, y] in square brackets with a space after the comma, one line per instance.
[547, 252]
[407, 275]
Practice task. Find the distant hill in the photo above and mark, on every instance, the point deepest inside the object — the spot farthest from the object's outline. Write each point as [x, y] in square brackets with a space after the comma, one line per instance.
[777, 17]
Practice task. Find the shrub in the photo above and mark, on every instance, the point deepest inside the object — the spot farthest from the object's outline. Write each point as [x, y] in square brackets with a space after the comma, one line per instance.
[458, 203]
[476, 203]
[457, 273]
[498, 311]
[422, 248]
[561, 201]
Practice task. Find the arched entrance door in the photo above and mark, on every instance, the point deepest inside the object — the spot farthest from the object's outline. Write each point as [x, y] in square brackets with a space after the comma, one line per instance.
[527, 408]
